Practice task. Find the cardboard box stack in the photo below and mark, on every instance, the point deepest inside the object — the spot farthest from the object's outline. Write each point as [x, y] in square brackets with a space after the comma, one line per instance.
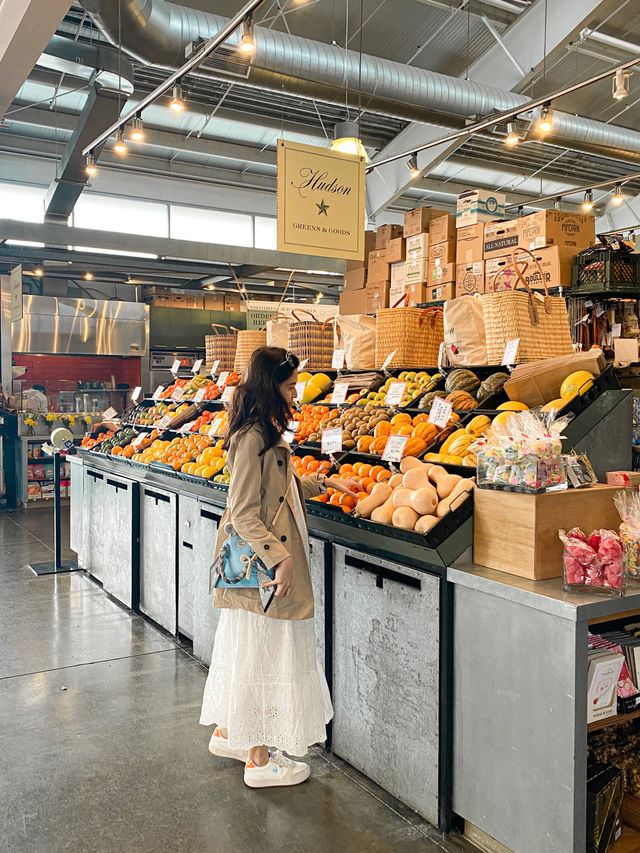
[352, 298]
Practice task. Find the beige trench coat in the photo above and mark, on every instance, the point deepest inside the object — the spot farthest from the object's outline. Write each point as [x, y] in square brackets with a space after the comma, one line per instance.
[258, 488]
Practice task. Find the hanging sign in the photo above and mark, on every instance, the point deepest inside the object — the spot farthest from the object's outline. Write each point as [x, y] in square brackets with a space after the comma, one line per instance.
[331, 440]
[320, 201]
[135, 396]
[394, 448]
[15, 288]
[440, 412]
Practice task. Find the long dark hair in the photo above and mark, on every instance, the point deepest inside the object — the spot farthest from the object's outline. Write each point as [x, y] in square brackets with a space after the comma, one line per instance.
[257, 399]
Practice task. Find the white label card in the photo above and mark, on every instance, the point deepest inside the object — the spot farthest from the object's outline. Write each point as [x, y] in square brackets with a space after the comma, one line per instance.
[588, 304]
[337, 362]
[110, 413]
[197, 364]
[175, 367]
[511, 351]
[616, 330]
[187, 427]
[339, 394]
[300, 386]
[331, 440]
[137, 441]
[440, 413]
[214, 367]
[395, 394]
[178, 393]
[394, 448]
[157, 392]
[303, 364]
[227, 394]
[223, 378]
[389, 359]
[164, 421]
[443, 361]
[199, 395]
[599, 311]
[293, 426]
[135, 396]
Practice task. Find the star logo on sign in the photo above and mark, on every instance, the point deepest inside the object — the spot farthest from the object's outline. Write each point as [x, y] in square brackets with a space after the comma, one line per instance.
[322, 208]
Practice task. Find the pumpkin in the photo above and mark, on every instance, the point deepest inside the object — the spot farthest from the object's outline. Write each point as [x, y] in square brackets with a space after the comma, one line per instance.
[425, 430]
[462, 400]
[444, 448]
[460, 444]
[512, 406]
[575, 384]
[491, 384]
[425, 402]
[479, 425]
[462, 379]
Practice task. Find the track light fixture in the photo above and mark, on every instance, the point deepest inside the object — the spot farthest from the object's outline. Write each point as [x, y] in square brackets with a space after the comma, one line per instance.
[587, 203]
[210, 287]
[177, 103]
[545, 124]
[137, 133]
[557, 203]
[88, 276]
[620, 84]
[513, 137]
[39, 272]
[412, 166]
[247, 44]
[121, 146]
[91, 168]
[618, 196]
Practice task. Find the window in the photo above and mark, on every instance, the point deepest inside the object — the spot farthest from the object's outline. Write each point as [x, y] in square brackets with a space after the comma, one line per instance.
[266, 233]
[22, 202]
[211, 226]
[122, 215]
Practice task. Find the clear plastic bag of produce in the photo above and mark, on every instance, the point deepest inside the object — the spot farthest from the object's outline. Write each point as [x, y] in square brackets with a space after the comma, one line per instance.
[628, 505]
[523, 453]
[595, 563]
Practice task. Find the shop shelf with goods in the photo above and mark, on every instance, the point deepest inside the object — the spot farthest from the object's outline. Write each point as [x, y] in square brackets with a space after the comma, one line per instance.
[34, 471]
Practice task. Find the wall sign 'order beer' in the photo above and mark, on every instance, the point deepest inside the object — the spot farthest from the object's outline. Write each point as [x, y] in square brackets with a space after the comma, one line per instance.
[320, 202]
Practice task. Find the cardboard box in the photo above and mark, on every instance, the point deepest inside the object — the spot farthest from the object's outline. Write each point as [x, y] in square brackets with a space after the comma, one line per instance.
[441, 292]
[556, 264]
[386, 233]
[470, 278]
[213, 301]
[417, 295]
[397, 292]
[379, 269]
[539, 382]
[376, 296]
[500, 238]
[369, 246]
[353, 301]
[442, 228]
[442, 273]
[232, 302]
[623, 478]
[416, 221]
[417, 272]
[531, 548]
[417, 246]
[470, 244]
[575, 231]
[396, 250]
[398, 274]
[188, 300]
[476, 206]
[442, 252]
[355, 279]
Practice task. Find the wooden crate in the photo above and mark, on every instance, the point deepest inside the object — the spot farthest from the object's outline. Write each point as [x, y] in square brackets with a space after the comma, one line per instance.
[518, 533]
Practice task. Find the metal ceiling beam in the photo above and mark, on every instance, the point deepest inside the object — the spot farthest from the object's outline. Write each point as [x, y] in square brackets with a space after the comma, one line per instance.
[564, 22]
[26, 26]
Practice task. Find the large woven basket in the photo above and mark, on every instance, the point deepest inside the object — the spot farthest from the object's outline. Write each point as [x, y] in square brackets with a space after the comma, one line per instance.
[540, 323]
[414, 333]
[248, 342]
[312, 340]
[221, 347]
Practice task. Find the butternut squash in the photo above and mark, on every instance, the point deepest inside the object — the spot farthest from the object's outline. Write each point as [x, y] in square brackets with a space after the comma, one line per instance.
[380, 493]
[405, 518]
[424, 501]
[464, 487]
[401, 497]
[396, 480]
[383, 514]
[415, 478]
[408, 462]
[433, 470]
[445, 483]
[425, 523]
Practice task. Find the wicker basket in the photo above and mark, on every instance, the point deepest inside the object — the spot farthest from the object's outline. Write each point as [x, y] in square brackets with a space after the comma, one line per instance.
[312, 340]
[414, 333]
[221, 347]
[540, 323]
[248, 342]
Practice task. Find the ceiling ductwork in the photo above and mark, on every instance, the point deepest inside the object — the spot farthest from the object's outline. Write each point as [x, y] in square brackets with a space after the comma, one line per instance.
[157, 33]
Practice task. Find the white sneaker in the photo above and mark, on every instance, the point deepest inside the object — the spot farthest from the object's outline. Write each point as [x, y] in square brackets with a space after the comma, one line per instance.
[279, 770]
[219, 746]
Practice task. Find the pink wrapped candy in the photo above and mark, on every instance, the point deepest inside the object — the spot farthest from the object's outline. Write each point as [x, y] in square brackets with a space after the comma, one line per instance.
[594, 540]
[576, 533]
[596, 561]
[611, 548]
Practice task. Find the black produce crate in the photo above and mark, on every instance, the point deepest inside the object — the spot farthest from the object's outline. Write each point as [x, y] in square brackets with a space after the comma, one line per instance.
[603, 269]
[607, 381]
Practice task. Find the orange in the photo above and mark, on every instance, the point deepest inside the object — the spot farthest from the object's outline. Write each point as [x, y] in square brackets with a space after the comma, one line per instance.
[365, 467]
[346, 468]
[361, 496]
[367, 481]
[383, 475]
[207, 472]
[375, 470]
[313, 466]
[334, 500]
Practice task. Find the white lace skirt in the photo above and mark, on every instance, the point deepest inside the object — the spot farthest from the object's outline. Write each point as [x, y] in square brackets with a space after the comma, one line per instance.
[265, 684]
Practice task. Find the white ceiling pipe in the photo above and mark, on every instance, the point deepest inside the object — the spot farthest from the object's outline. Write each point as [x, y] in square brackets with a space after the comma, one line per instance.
[612, 41]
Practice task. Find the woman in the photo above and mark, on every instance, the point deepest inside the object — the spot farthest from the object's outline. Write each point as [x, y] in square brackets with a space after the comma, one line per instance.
[265, 687]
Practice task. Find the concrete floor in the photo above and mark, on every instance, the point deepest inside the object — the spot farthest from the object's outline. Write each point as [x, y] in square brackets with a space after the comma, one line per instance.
[101, 750]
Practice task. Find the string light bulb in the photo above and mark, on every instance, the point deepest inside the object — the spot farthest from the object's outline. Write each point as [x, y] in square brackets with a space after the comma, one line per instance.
[247, 44]
[137, 133]
[587, 203]
[412, 166]
[88, 276]
[38, 271]
[618, 196]
[177, 103]
[620, 84]
[545, 125]
[121, 146]
[90, 168]
[513, 137]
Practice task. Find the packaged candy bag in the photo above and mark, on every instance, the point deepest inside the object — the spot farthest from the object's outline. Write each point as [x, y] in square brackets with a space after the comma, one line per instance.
[595, 563]
[628, 505]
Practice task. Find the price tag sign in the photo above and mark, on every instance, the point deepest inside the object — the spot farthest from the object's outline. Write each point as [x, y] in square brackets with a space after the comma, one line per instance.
[198, 397]
[293, 426]
[187, 427]
[157, 392]
[223, 377]
[214, 367]
[339, 394]
[303, 364]
[179, 393]
[440, 412]
[331, 440]
[616, 330]
[443, 360]
[175, 367]
[135, 396]
[337, 362]
[197, 364]
[300, 386]
[227, 394]
[395, 394]
[290, 433]
[137, 441]
[394, 448]
[389, 359]
[110, 413]
[164, 421]
[511, 351]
